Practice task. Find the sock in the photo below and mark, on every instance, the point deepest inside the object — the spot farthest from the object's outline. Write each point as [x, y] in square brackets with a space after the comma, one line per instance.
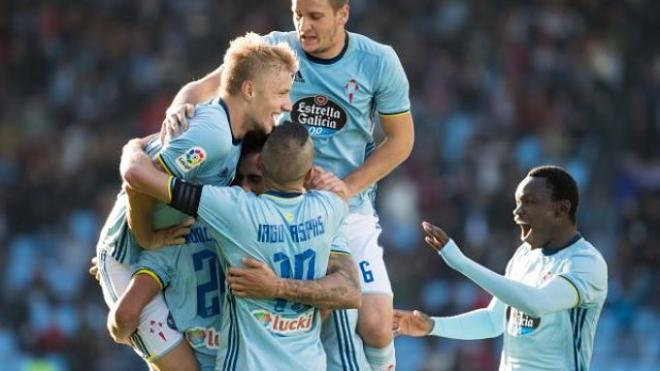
[381, 359]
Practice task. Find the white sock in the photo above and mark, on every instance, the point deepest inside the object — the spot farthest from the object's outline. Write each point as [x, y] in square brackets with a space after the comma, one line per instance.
[381, 359]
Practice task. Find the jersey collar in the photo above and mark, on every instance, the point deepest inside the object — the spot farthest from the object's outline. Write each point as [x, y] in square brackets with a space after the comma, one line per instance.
[283, 194]
[550, 251]
[331, 60]
[234, 141]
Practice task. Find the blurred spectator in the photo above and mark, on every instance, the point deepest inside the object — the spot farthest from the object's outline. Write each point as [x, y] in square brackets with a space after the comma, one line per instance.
[497, 87]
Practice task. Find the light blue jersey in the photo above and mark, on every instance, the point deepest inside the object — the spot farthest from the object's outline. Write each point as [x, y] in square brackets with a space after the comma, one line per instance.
[294, 234]
[337, 100]
[190, 278]
[561, 340]
[205, 154]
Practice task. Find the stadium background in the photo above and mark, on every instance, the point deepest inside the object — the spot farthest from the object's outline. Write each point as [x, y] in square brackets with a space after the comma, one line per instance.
[496, 87]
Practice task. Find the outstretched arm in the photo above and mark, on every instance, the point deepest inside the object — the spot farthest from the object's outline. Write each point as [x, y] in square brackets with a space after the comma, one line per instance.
[339, 289]
[482, 323]
[555, 295]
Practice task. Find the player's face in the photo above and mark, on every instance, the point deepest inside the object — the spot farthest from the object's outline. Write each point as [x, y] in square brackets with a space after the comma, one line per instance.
[252, 180]
[319, 26]
[536, 213]
[271, 99]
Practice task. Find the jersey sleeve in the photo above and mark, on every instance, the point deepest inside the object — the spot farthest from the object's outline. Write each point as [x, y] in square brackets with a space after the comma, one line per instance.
[340, 242]
[218, 207]
[588, 274]
[202, 144]
[157, 264]
[391, 95]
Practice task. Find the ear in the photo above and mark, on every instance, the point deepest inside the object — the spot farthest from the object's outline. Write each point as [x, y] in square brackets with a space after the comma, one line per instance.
[247, 88]
[309, 175]
[343, 14]
[563, 208]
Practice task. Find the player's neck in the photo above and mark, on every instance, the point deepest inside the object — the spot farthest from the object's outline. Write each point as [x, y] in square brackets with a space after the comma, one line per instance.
[296, 187]
[561, 237]
[237, 116]
[337, 47]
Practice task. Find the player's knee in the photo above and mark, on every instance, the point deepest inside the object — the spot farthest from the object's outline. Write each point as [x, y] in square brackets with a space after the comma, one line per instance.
[375, 331]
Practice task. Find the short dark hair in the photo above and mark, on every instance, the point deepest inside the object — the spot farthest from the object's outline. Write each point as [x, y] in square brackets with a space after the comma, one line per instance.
[253, 142]
[562, 184]
[288, 153]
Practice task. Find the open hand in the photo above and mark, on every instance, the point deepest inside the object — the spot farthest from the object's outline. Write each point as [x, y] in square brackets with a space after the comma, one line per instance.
[435, 237]
[411, 323]
[327, 181]
[176, 121]
[256, 280]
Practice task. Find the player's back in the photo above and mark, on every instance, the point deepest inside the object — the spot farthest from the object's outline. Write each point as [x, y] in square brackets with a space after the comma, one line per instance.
[294, 234]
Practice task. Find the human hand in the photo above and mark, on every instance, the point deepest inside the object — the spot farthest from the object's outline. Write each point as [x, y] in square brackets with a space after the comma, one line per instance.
[256, 280]
[435, 237]
[174, 235]
[94, 268]
[327, 181]
[176, 121]
[411, 323]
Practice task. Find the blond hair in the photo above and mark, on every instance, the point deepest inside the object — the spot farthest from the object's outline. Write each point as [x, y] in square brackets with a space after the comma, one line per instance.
[250, 56]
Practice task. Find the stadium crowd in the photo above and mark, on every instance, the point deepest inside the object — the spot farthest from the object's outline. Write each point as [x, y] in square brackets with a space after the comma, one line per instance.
[496, 87]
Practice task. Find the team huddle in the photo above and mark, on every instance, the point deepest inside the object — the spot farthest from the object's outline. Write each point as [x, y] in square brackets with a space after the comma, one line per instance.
[243, 243]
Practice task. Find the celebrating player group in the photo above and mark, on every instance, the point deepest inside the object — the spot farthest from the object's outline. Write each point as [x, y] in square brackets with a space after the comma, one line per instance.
[245, 235]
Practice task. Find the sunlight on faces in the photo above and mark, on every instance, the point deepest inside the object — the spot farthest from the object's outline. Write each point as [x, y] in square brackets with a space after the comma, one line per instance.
[319, 26]
[536, 213]
[270, 98]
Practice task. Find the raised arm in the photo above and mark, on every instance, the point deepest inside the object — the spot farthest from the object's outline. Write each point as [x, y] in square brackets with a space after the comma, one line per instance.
[555, 295]
[398, 143]
[339, 289]
[182, 107]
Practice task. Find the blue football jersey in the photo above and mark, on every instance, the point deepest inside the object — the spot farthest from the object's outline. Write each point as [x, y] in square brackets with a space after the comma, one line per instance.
[337, 101]
[205, 154]
[294, 234]
[193, 284]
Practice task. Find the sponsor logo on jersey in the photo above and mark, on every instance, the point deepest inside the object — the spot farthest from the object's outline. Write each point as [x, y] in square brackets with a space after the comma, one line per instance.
[320, 115]
[285, 325]
[191, 159]
[520, 323]
[156, 327]
[203, 337]
[351, 88]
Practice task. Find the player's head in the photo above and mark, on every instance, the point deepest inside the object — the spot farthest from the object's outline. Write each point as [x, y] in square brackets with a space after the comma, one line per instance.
[287, 156]
[546, 201]
[248, 172]
[320, 24]
[261, 75]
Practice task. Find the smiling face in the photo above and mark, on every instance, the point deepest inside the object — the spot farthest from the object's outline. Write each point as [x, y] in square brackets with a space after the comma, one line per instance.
[319, 26]
[270, 99]
[536, 213]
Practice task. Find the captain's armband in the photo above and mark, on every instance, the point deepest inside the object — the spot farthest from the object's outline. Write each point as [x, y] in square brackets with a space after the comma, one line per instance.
[185, 196]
